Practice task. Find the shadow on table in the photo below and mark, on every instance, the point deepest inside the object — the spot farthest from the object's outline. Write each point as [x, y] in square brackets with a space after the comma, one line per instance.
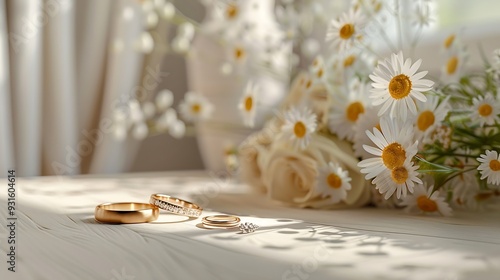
[364, 245]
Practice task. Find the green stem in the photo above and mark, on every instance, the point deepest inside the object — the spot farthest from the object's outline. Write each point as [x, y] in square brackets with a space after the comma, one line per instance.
[439, 167]
[453, 176]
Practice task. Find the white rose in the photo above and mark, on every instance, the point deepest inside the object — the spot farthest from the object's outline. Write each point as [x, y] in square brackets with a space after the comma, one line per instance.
[253, 153]
[291, 176]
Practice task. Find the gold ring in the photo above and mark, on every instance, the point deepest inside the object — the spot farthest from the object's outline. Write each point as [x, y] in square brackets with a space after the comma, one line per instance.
[224, 221]
[175, 205]
[126, 213]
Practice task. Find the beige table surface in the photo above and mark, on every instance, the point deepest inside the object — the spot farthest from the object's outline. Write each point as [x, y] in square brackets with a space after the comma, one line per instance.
[58, 237]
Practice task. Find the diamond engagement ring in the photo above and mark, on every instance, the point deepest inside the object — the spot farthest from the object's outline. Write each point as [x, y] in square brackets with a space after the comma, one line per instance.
[248, 227]
[176, 205]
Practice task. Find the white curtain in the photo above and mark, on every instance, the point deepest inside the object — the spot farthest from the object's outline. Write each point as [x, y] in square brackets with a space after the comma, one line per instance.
[64, 64]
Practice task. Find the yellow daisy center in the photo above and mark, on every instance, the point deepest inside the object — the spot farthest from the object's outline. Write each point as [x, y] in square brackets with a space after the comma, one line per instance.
[319, 74]
[495, 165]
[425, 120]
[400, 86]
[334, 181]
[449, 41]
[232, 11]
[196, 108]
[315, 62]
[349, 61]
[377, 6]
[239, 53]
[426, 204]
[346, 31]
[308, 84]
[353, 111]
[451, 66]
[248, 103]
[483, 196]
[399, 175]
[485, 110]
[299, 129]
[393, 155]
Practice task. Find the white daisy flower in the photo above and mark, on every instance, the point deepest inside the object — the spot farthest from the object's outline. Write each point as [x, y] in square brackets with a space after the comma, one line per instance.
[347, 110]
[346, 30]
[238, 53]
[398, 180]
[289, 19]
[333, 182]
[490, 167]
[317, 69]
[495, 65]
[370, 8]
[483, 200]
[486, 110]
[248, 104]
[340, 68]
[449, 42]
[440, 136]
[464, 188]
[394, 147]
[367, 121]
[496, 56]
[423, 15]
[298, 127]
[396, 84]
[195, 107]
[430, 114]
[232, 11]
[425, 201]
[453, 69]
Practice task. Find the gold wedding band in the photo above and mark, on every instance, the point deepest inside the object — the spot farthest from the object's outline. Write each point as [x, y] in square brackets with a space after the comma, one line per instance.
[126, 213]
[176, 205]
[221, 221]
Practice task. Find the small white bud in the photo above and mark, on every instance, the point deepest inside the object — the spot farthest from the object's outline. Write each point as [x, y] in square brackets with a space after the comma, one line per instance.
[151, 20]
[167, 11]
[186, 30]
[120, 131]
[148, 109]
[140, 131]
[164, 99]
[178, 129]
[145, 43]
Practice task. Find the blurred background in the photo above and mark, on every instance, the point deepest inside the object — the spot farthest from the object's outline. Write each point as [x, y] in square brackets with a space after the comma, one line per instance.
[68, 66]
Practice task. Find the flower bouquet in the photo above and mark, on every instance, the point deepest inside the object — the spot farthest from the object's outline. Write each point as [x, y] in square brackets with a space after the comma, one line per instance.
[358, 127]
